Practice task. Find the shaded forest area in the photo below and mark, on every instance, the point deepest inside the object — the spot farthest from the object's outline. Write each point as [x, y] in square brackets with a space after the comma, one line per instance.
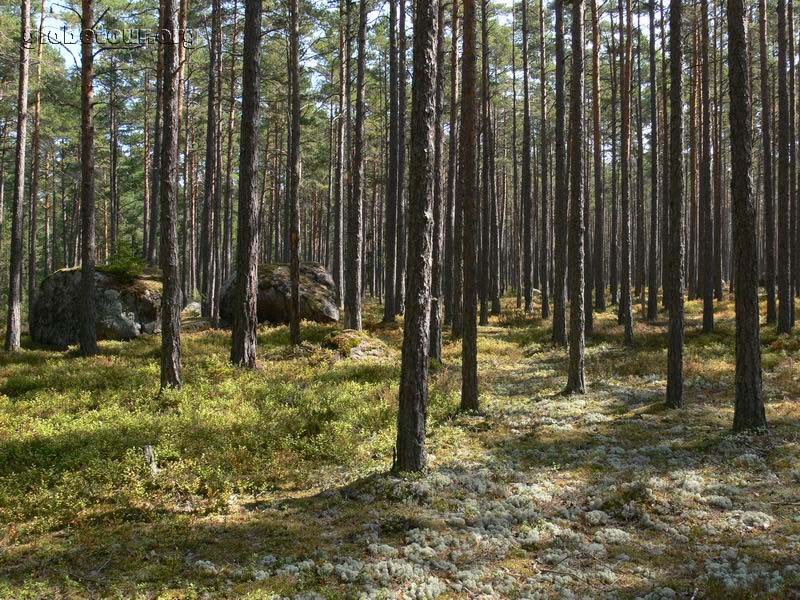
[399, 299]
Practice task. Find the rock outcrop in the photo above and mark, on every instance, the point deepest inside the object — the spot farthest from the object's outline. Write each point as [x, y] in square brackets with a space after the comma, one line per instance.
[127, 306]
[317, 295]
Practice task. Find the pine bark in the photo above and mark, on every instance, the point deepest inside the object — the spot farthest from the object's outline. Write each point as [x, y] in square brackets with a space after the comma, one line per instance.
[452, 236]
[486, 146]
[353, 273]
[402, 229]
[561, 200]
[14, 314]
[784, 246]
[390, 221]
[210, 225]
[599, 197]
[749, 412]
[413, 402]
[625, 316]
[438, 193]
[33, 202]
[171, 297]
[155, 166]
[766, 166]
[575, 379]
[294, 164]
[707, 237]
[544, 242]
[245, 317]
[674, 397]
[527, 208]
[88, 333]
[469, 202]
[653, 258]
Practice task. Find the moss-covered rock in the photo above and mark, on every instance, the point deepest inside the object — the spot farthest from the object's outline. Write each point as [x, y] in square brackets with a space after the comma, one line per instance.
[355, 344]
[127, 306]
[317, 294]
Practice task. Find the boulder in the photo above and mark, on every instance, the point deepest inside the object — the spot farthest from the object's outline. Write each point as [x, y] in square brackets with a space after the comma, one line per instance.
[127, 306]
[358, 345]
[317, 295]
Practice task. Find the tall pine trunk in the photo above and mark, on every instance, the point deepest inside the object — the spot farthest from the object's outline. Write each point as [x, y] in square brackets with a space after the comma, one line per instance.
[412, 411]
[652, 267]
[784, 246]
[527, 208]
[88, 333]
[707, 237]
[168, 189]
[390, 221]
[674, 398]
[749, 413]
[14, 314]
[544, 242]
[561, 200]
[575, 379]
[469, 202]
[599, 200]
[438, 193]
[245, 316]
[766, 160]
[352, 300]
[294, 166]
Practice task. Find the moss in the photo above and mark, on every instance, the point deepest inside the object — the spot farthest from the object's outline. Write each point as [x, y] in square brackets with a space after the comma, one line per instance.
[345, 341]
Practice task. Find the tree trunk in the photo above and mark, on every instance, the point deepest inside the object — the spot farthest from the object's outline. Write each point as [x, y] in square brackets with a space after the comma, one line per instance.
[155, 167]
[707, 238]
[88, 334]
[575, 379]
[469, 202]
[652, 267]
[412, 412]
[402, 229]
[599, 200]
[352, 304]
[14, 316]
[784, 249]
[527, 205]
[766, 160]
[544, 242]
[561, 200]
[485, 168]
[227, 220]
[451, 244]
[245, 317]
[613, 259]
[749, 413]
[674, 398]
[168, 189]
[146, 167]
[390, 221]
[33, 221]
[294, 162]
[210, 266]
[625, 316]
[438, 193]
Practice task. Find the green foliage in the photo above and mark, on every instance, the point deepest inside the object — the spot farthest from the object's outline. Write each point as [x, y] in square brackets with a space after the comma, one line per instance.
[125, 264]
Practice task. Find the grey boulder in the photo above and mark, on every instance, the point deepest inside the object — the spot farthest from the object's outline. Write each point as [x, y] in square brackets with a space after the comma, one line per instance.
[127, 306]
[317, 295]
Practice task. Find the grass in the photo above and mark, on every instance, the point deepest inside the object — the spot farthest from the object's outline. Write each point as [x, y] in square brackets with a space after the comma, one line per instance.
[243, 455]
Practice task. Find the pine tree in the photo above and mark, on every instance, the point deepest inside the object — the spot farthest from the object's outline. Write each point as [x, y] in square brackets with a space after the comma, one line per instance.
[245, 316]
[413, 404]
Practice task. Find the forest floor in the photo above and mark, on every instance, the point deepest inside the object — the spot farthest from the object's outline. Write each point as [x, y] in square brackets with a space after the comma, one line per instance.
[274, 483]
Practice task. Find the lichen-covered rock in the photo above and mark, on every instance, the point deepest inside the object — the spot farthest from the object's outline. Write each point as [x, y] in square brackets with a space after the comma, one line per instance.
[358, 345]
[127, 307]
[317, 295]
